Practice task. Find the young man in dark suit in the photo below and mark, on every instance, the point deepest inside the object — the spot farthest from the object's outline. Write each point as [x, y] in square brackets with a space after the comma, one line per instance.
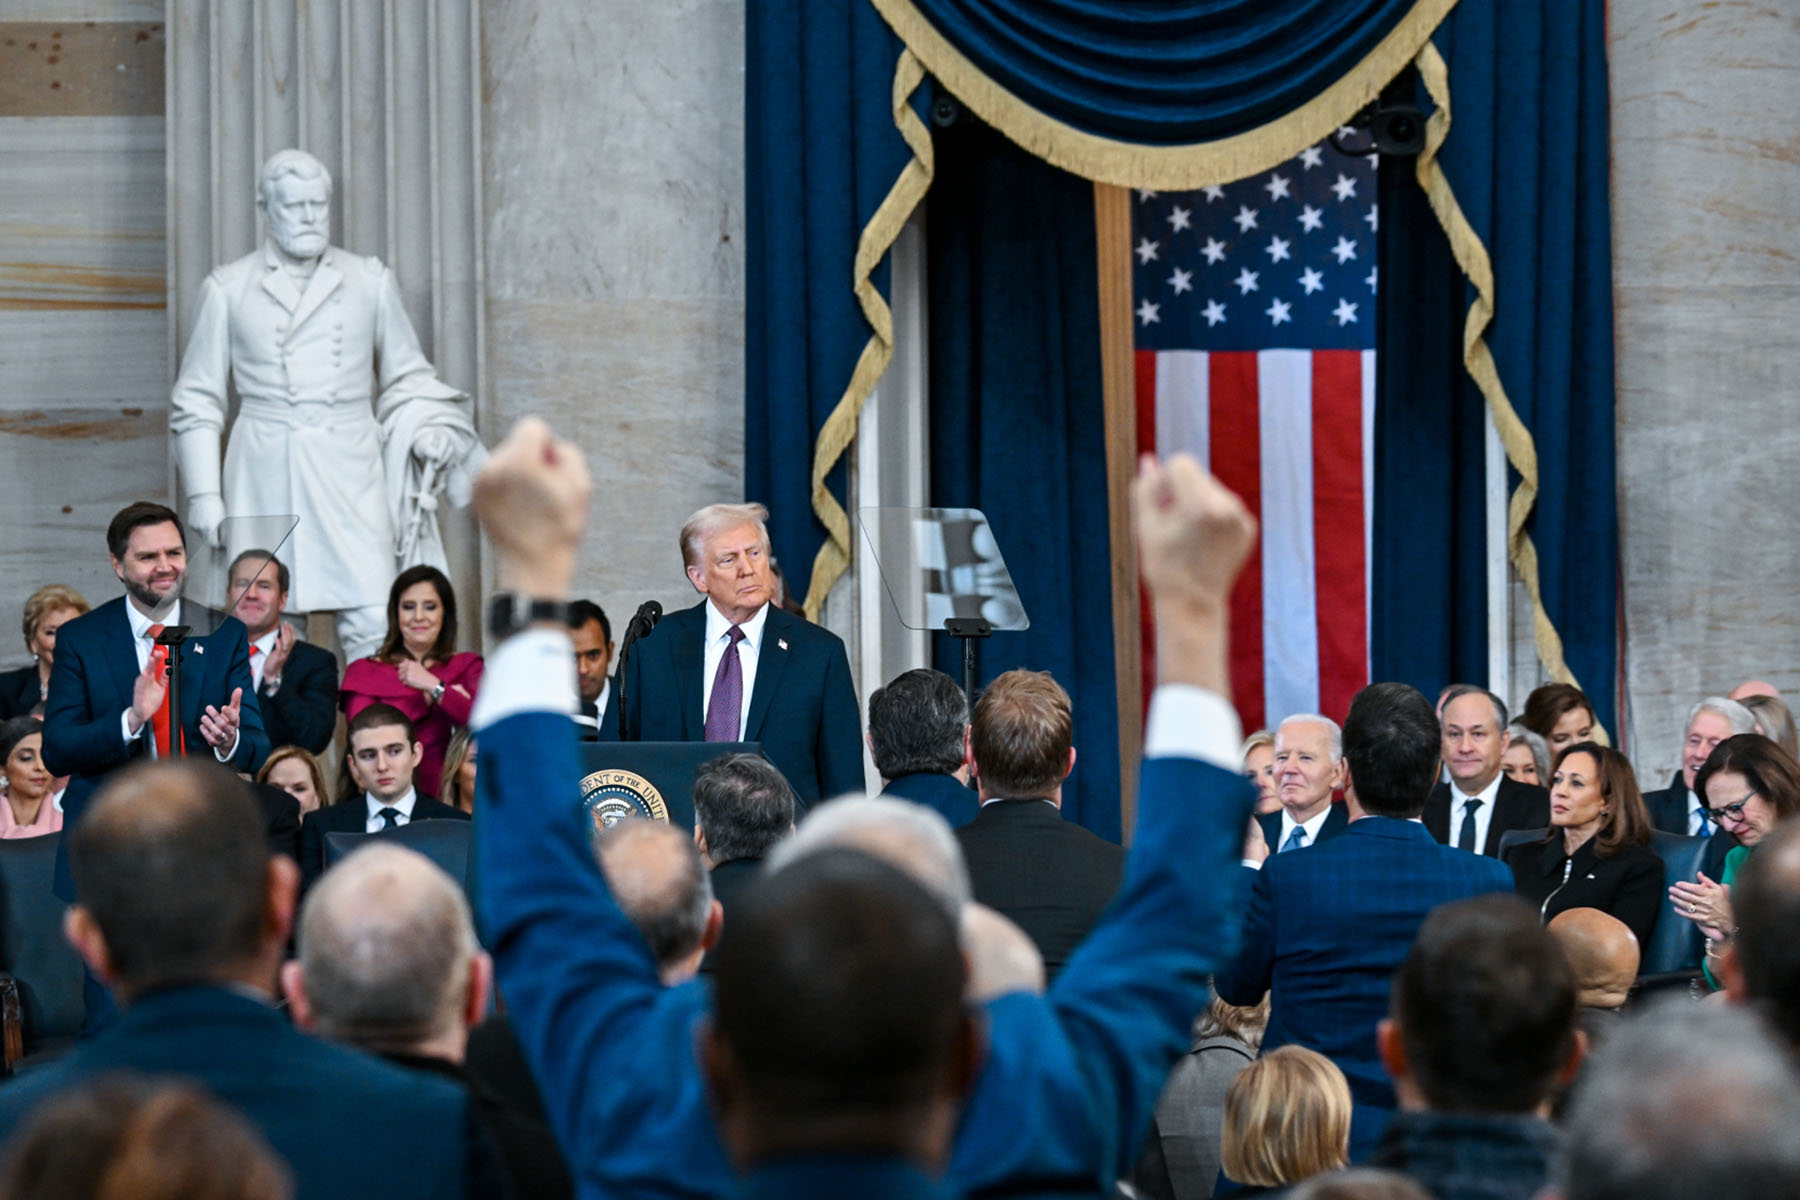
[1050, 876]
[735, 668]
[1479, 803]
[383, 755]
[187, 915]
[296, 681]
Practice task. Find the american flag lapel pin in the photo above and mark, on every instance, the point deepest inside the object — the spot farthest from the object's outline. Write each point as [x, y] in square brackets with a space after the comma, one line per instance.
[782, 642]
[199, 649]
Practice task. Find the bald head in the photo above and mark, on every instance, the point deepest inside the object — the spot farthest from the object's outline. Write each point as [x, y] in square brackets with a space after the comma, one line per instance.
[1753, 687]
[659, 880]
[1603, 952]
[909, 836]
[1002, 957]
[175, 878]
[387, 946]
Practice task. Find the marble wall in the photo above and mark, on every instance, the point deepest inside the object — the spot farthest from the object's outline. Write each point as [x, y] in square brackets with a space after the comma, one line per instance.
[1706, 178]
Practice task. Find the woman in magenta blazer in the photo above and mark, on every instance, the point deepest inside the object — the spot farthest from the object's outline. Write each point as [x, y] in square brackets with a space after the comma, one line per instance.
[417, 669]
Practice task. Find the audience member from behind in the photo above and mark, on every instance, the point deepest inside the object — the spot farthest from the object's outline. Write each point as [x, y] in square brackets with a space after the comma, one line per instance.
[1309, 765]
[1761, 967]
[840, 1050]
[1604, 955]
[1479, 803]
[186, 915]
[918, 737]
[1679, 808]
[23, 692]
[1048, 874]
[742, 807]
[1482, 1034]
[418, 669]
[295, 771]
[1358, 1183]
[1182, 1157]
[25, 782]
[1328, 928]
[1685, 1101]
[296, 681]
[1526, 758]
[389, 964]
[1749, 784]
[659, 880]
[1561, 714]
[1596, 853]
[123, 1137]
[1287, 1119]
[1774, 721]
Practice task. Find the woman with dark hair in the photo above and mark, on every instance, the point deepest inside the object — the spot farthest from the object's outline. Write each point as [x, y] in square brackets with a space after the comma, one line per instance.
[1561, 714]
[1596, 853]
[1748, 784]
[418, 669]
[26, 809]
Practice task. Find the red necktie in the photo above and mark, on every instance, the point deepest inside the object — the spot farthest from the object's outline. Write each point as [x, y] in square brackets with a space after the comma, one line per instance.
[159, 659]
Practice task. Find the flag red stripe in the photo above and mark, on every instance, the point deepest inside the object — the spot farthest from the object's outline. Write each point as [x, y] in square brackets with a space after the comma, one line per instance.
[1236, 443]
[1146, 444]
[1337, 419]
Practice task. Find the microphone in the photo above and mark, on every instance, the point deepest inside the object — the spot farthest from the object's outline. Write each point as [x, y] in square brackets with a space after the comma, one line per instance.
[648, 614]
[640, 625]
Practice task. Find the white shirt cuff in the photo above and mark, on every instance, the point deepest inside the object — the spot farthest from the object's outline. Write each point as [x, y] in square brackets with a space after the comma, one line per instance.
[1191, 722]
[1253, 864]
[125, 728]
[531, 672]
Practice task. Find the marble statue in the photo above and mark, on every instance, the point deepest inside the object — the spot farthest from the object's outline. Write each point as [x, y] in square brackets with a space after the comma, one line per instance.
[342, 421]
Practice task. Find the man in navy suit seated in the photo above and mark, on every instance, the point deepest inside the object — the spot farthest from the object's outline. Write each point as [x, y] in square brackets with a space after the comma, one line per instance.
[1329, 926]
[1065, 1094]
[296, 681]
[841, 1049]
[186, 915]
[918, 732]
[735, 668]
[1309, 766]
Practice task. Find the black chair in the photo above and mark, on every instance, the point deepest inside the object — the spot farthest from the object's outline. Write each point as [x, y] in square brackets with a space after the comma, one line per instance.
[41, 1005]
[1518, 837]
[445, 843]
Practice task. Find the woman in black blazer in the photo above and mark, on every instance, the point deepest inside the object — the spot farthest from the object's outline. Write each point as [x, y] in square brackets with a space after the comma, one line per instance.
[22, 691]
[1596, 853]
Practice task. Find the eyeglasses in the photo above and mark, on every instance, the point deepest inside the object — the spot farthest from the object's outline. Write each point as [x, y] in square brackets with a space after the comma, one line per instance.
[1733, 811]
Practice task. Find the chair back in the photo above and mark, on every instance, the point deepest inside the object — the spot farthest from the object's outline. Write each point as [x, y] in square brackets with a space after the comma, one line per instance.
[444, 842]
[1676, 944]
[1518, 837]
[32, 947]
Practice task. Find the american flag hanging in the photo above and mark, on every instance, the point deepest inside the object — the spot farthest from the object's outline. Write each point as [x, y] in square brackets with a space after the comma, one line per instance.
[1255, 318]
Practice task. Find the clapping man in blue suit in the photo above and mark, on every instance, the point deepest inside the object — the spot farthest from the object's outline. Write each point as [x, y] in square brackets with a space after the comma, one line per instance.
[1329, 925]
[1064, 1097]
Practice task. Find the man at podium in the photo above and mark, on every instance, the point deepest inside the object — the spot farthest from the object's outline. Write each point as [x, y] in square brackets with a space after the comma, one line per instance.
[735, 668]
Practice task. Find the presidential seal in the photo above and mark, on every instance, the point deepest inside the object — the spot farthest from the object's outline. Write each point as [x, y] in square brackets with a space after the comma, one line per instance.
[611, 796]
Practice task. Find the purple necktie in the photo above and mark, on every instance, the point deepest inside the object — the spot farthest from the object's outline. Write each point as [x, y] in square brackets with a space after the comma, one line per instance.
[727, 693]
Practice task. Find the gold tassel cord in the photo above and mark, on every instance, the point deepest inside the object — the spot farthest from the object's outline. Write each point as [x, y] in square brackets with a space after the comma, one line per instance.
[878, 236]
[1136, 165]
[1472, 257]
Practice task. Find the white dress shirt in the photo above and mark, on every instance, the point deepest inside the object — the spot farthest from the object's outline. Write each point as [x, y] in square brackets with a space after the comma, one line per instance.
[1312, 825]
[1484, 816]
[403, 804]
[140, 641]
[718, 636]
[1691, 806]
[259, 653]
[605, 695]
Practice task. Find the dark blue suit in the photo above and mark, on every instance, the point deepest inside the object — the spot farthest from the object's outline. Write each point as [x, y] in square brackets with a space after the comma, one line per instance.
[303, 711]
[1328, 927]
[91, 682]
[833, 1176]
[346, 1123]
[1065, 1095]
[1336, 821]
[802, 708]
[956, 802]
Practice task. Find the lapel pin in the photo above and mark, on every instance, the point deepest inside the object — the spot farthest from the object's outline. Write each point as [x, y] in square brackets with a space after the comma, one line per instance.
[199, 649]
[782, 642]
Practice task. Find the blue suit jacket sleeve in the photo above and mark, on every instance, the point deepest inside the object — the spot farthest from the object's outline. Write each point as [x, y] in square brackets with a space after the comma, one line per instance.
[82, 733]
[253, 739]
[1247, 977]
[839, 752]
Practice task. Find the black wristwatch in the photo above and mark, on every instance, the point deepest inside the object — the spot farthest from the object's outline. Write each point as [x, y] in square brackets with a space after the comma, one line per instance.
[509, 612]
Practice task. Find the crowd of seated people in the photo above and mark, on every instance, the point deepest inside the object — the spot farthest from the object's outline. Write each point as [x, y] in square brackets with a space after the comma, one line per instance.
[1395, 954]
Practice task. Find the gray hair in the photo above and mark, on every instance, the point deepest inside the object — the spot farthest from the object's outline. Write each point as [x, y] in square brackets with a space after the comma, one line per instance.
[743, 804]
[715, 519]
[1334, 736]
[1687, 1100]
[1741, 719]
[386, 941]
[283, 163]
[909, 836]
[1540, 749]
[660, 882]
[1468, 689]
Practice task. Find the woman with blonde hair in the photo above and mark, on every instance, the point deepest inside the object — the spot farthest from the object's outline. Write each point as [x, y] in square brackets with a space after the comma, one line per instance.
[22, 692]
[1287, 1119]
[295, 771]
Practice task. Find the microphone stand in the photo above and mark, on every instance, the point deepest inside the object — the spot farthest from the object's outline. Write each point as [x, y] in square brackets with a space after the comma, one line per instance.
[640, 625]
[173, 636]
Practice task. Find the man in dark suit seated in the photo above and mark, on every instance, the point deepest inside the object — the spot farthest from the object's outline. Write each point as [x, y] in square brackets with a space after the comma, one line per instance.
[384, 752]
[1677, 809]
[742, 807]
[1328, 928]
[296, 681]
[389, 964]
[656, 874]
[1049, 875]
[1479, 803]
[186, 914]
[841, 1050]
[1309, 766]
[918, 733]
[735, 668]
[592, 634]
[1475, 1095]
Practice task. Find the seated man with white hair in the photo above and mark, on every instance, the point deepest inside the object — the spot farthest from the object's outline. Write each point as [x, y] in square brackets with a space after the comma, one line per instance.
[1309, 766]
[1676, 808]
